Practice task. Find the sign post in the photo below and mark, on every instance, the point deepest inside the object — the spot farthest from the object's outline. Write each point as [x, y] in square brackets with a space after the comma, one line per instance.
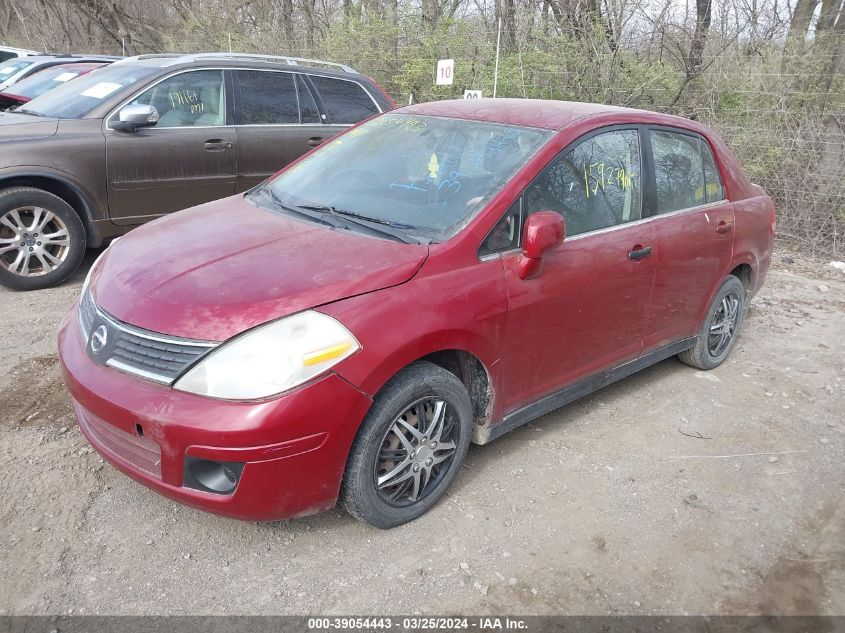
[445, 72]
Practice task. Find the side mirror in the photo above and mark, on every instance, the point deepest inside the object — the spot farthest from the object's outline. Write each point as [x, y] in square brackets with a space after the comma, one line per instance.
[133, 117]
[543, 231]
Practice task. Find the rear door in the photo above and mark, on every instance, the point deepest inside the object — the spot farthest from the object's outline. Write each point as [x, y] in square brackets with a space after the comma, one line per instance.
[277, 122]
[586, 310]
[694, 225]
[188, 158]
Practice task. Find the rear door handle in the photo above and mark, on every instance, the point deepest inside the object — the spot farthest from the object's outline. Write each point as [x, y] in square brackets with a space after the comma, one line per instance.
[639, 252]
[315, 141]
[217, 145]
[724, 227]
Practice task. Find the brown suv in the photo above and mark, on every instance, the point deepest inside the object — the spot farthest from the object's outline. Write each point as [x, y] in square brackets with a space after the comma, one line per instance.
[153, 134]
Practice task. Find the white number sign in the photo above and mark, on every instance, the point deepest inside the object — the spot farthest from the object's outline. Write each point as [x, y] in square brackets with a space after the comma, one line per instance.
[445, 72]
[472, 94]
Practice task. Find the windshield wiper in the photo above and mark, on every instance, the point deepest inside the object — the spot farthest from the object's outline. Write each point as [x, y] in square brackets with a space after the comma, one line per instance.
[357, 216]
[295, 210]
[366, 222]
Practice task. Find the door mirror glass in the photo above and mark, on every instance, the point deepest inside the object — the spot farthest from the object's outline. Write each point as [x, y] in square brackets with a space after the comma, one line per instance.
[543, 231]
[132, 117]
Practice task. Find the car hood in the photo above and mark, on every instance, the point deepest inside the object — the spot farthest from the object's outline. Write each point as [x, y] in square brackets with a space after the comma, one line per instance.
[218, 269]
[15, 126]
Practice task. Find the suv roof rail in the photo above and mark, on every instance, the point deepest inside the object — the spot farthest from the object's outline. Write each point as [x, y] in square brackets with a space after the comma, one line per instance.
[292, 61]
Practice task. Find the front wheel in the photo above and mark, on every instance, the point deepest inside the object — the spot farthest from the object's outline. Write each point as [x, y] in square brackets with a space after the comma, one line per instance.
[42, 239]
[718, 334]
[409, 447]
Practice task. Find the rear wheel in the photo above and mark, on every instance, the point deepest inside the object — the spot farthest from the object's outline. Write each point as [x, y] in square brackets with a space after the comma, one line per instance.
[409, 447]
[718, 335]
[42, 239]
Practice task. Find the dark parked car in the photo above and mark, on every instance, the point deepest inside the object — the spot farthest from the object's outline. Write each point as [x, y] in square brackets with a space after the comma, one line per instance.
[149, 135]
[347, 328]
[44, 81]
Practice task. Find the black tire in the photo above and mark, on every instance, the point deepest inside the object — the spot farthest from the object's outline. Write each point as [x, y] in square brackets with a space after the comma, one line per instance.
[69, 255]
[418, 383]
[706, 354]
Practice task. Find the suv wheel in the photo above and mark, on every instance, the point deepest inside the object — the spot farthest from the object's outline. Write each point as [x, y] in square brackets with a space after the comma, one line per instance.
[409, 447]
[42, 239]
[718, 335]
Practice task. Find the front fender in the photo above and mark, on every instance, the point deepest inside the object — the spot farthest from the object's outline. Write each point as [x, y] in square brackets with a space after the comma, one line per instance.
[463, 309]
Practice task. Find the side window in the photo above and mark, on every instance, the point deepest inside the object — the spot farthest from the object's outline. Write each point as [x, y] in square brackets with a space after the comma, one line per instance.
[713, 190]
[678, 171]
[595, 185]
[506, 234]
[267, 98]
[307, 106]
[345, 101]
[188, 99]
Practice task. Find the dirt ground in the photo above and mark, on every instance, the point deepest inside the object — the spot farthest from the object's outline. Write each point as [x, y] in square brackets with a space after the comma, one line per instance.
[673, 492]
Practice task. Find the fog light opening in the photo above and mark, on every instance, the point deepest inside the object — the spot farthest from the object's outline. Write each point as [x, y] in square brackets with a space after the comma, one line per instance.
[211, 476]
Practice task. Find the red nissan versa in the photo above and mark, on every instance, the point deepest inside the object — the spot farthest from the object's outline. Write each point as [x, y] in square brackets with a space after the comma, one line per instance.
[348, 327]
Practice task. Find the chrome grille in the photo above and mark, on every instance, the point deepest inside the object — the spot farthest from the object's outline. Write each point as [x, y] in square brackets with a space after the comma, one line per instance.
[154, 356]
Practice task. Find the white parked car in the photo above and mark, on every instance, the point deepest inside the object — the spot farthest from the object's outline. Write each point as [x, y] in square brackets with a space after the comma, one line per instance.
[7, 52]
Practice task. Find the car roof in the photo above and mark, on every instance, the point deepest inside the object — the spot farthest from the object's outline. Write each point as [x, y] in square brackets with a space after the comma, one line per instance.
[37, 60]
[540, 113]
[77, 65]
[172, 60]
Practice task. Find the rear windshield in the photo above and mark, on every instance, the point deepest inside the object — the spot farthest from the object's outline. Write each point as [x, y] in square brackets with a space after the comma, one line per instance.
[11, 67]
[75, 99]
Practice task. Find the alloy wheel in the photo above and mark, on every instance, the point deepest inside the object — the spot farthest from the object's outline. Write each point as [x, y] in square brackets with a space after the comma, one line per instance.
[723, 325]
[416, 452]
[33, 241]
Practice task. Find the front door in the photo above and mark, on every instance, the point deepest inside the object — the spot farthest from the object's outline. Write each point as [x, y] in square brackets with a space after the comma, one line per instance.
[277, 122]
[586, 310]
[188, 158]
[694, 227]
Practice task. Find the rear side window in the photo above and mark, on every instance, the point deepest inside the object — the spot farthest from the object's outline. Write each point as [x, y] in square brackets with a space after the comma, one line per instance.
[345, 101]
[678, 171]
[713, 190]
[267, 98]
[593, 186]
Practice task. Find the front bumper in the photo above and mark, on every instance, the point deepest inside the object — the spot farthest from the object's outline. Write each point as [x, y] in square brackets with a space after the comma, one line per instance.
[294, 447]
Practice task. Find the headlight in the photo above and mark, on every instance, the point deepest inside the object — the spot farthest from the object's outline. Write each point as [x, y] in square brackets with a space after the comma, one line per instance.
[271, 358]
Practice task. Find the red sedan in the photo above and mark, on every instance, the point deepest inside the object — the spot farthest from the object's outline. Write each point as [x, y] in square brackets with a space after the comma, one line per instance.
[433, 277]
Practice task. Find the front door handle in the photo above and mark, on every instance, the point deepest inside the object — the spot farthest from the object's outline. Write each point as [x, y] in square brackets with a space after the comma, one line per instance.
[315, 141]
[639, 252]
[724, 227]
[217, 145]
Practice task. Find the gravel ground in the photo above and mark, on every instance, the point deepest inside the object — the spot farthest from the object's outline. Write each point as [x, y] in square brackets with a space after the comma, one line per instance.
[613, 505]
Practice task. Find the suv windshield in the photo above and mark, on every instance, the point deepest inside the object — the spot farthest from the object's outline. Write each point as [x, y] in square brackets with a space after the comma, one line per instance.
[429, 176]
[77, 98]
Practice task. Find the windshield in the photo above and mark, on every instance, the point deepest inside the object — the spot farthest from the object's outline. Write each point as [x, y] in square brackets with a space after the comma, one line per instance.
[11, 67]
[45, 80]
[75, 99]
[428, 175]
